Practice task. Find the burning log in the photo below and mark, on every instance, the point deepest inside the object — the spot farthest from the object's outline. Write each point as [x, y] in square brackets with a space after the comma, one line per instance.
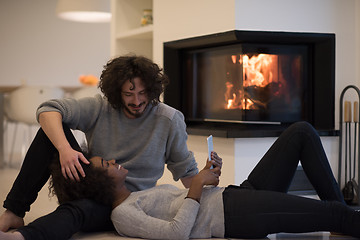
[263, 94]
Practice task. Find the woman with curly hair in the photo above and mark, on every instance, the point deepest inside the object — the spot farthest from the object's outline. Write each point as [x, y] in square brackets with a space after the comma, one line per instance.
[97, 185]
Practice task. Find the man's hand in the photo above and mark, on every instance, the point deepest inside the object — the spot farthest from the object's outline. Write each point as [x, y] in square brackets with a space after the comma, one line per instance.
[70, 165]
[51, 123]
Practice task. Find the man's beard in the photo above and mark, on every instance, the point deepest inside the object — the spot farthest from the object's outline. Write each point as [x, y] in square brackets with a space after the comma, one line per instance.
[136, 114]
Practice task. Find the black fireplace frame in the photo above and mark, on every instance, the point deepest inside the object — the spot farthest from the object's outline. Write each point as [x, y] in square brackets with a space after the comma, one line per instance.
[321, 48]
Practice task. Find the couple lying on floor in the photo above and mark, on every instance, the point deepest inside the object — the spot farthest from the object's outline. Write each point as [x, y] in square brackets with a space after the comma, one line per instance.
[258, 207]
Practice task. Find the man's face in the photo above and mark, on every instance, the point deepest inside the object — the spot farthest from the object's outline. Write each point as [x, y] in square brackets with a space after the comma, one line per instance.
[134, 97]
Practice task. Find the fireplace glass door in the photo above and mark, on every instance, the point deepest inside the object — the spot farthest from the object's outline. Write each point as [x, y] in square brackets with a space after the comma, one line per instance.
[247, 83]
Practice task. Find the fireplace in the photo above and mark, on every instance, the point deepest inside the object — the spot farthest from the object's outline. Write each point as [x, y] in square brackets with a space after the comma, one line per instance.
[252, 83]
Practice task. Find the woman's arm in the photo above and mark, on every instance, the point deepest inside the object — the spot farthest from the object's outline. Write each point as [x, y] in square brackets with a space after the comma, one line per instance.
[206, 176]
[133, 221]
[51, 123]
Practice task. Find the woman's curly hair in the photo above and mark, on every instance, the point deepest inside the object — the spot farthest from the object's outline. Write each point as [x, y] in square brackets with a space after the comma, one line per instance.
[96, 185]
[121, 69]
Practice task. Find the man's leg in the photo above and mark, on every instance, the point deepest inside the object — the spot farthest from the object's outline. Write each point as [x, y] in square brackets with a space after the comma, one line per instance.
[69, 218]
[33, 175]
[300, 142]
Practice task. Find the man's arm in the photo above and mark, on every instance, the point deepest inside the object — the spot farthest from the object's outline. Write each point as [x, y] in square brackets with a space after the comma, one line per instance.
[51, 123]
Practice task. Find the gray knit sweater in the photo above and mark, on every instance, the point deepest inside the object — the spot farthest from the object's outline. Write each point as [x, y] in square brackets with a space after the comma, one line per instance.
[142, 145]
[163, 212]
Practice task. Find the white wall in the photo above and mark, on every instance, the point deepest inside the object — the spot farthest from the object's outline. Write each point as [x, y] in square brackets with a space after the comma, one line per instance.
[186, 18]
[175, 20]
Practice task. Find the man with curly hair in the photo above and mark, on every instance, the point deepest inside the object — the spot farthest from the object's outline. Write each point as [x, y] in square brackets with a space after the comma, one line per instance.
[128, 124]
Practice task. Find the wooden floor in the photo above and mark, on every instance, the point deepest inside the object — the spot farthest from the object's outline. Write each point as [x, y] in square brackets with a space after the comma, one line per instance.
[44, 205]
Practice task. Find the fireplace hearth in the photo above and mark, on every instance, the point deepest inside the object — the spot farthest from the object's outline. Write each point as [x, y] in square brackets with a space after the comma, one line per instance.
[252, 83]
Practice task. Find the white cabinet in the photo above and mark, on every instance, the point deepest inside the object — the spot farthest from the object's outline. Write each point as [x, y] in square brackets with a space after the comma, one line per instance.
[127, 34]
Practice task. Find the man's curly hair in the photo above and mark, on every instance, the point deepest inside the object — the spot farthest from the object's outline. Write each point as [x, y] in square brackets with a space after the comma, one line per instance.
[121, 69]
[96, 185]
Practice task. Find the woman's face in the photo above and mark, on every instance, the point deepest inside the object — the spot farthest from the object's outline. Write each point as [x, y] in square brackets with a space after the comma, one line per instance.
[113, 169]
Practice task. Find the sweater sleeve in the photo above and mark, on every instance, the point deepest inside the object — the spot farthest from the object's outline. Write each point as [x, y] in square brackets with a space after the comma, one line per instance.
[132, 221]
[180, 161]
[77, 114]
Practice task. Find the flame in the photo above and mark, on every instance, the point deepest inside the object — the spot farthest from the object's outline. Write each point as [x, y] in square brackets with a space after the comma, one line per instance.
[230, 101]
[258, 70]
[233, 58]
[234, 101]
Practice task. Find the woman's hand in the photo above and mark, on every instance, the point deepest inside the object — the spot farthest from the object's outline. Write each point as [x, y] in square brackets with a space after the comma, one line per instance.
[216, 161]
[70, 165]
[208, 176]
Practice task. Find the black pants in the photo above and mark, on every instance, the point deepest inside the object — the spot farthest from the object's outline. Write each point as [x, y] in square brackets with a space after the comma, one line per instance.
[67, 219]
[261, 206]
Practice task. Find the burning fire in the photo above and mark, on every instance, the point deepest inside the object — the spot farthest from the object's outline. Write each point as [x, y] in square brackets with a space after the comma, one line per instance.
[258, 71]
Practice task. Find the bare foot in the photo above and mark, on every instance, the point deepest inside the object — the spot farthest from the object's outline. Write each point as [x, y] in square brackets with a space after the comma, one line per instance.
[9, 220]
[11, 236]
